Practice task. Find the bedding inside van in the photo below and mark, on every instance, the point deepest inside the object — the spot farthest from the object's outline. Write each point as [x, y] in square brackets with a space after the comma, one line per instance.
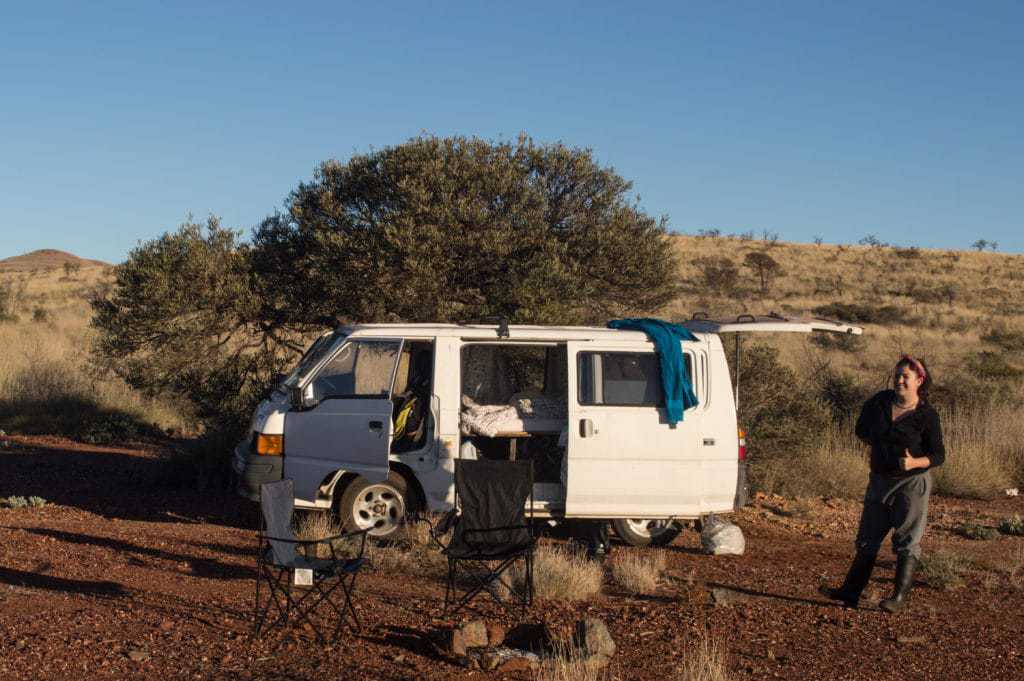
[509, 388]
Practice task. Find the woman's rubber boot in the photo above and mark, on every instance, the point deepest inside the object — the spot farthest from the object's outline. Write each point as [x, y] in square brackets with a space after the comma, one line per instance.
[856, 579]
[905, 566]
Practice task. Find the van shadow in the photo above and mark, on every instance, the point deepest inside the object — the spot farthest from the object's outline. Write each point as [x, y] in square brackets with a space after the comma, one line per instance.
[36, 580]
[115, 483]
[201, 567]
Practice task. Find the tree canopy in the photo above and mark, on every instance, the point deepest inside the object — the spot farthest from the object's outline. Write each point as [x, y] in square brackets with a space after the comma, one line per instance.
[459, 229]
[435, 229]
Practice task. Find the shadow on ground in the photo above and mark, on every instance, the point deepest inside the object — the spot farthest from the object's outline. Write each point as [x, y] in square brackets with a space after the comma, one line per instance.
[127, 485]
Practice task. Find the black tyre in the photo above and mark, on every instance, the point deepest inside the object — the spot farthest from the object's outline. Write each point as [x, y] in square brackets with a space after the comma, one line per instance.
[646, 532]
[378, 506]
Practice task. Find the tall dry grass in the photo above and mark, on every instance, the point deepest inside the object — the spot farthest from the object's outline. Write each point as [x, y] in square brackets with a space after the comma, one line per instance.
[704, 659]
[46, 382]
[984, 451]
[638, 572]
[559, 574]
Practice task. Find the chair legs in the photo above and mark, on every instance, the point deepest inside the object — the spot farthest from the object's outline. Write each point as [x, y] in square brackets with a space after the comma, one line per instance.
[288, 607]
[487, 577]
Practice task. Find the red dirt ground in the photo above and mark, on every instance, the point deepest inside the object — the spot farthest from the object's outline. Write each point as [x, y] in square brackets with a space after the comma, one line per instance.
[121, 576]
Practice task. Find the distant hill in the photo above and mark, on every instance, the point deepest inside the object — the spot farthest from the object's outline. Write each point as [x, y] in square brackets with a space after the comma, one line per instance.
[45, 259]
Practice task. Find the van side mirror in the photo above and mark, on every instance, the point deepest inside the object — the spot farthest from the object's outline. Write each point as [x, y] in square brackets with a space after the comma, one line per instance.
[295, 397]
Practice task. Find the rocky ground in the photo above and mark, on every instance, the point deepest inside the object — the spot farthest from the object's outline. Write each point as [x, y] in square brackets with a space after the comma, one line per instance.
[122, 575]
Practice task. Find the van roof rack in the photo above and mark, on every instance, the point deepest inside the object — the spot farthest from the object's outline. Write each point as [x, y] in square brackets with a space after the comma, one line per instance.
[501, 322]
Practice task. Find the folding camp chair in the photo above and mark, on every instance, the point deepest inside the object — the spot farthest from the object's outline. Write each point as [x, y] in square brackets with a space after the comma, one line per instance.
[298, 584]
[490, 533]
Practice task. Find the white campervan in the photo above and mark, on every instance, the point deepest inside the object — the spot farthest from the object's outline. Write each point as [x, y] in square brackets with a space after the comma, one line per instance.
[370, 422]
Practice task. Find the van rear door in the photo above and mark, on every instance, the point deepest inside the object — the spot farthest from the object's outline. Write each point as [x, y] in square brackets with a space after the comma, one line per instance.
[624, 460]
[345, 421]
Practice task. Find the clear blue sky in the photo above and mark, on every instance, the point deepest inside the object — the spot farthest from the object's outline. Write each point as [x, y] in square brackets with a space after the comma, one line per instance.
[902, 120]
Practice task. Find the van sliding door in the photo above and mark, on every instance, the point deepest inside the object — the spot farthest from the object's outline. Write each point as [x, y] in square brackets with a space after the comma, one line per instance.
[624, 459]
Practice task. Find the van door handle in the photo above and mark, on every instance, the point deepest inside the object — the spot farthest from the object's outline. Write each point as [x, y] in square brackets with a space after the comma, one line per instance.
[587, 428]
[376, 426]
[709, 442]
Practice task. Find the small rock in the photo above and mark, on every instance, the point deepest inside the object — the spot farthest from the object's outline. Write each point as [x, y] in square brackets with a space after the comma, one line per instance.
[495, 634]
[592, 636]
[166, 625]
[1012, 492]
[474, 634]
[723, 596]
[138, 655]
[456, 643]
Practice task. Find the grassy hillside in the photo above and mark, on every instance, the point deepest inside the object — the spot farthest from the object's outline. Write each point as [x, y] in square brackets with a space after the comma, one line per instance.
[962, 311]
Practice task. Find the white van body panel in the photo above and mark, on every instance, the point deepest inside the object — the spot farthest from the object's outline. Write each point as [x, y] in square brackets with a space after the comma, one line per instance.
[268, 418]
[719, 435]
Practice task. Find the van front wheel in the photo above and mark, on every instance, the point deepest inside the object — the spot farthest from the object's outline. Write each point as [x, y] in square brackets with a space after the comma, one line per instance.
[377, 506]
[646, 532]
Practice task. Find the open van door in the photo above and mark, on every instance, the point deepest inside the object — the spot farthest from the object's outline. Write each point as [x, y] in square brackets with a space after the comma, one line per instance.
[343, 420]
[624, 460]
[770, 323]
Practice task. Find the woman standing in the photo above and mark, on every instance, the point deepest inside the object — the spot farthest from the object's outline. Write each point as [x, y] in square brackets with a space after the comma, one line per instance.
[906, 442]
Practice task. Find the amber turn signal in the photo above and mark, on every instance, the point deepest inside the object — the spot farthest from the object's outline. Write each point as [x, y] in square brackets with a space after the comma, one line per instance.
[270, 445]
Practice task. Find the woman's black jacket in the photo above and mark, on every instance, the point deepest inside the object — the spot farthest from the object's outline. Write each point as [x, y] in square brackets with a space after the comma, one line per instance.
[919, 431]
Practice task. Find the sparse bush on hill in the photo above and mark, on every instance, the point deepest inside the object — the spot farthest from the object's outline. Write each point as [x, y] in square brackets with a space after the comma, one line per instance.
[764, 267]
[1010, 341]
[841, 342]
[860, 314]
[993, 366]
[718, 274]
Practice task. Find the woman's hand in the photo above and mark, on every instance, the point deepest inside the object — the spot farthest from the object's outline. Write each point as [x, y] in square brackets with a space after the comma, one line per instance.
[909, 462]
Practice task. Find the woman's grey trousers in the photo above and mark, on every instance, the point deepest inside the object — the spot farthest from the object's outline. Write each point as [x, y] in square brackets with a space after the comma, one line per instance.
[897, 504]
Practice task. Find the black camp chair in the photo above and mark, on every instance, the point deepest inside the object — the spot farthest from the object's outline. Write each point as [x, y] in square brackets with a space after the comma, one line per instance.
[490, 533]
[283, 567]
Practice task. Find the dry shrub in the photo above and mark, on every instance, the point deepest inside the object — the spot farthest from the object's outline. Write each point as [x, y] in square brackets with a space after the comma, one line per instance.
[561, 575]
[410, 552]
[638, 573]
[568, 663]
[313, 525]
[837, 467]
[704, 659]
[944, 569]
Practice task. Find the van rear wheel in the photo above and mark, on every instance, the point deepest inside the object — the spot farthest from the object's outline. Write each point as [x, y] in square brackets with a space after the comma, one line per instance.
[646, 532]
[377, 506]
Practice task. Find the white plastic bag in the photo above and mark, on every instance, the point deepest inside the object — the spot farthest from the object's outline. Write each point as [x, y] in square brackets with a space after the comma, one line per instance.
[722, 538]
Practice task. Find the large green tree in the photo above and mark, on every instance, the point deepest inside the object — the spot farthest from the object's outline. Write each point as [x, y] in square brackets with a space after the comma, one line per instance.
[435, 229]
[460, 229]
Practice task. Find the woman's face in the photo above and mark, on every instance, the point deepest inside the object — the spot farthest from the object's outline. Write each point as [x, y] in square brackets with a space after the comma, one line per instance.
[906, 382]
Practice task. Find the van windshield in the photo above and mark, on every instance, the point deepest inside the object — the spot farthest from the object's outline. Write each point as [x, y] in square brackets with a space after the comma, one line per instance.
[320, 348]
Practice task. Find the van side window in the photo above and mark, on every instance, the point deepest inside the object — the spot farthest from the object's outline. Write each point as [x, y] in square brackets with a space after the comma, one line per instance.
[622, 378]
[360, 369]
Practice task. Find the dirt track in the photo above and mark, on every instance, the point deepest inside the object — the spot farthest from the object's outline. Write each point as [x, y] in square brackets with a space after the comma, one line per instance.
[122, 577]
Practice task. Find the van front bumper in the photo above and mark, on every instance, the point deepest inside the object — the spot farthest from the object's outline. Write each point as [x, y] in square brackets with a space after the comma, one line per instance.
[253, 470]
